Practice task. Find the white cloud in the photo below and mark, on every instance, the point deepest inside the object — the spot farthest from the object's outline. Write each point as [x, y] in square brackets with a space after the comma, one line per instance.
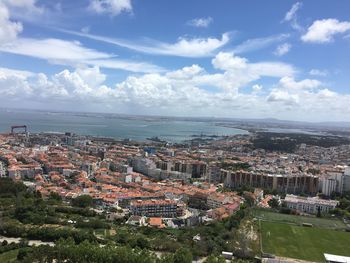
[291, 92]
[323, 31]
[238, 71]
[29, 5]
[283, 96]
[186, 72]
[72, 53]
[112, 7]
[318, 72]
[184, 47]
[290, 84]
[185, 87]
[8, 29]
[182, 92]
[200, 22]
[282, 49]
[52, 49]
[16, 73]
[259, 43]
[308, 100]
[25, 10]
[13, 82]
[196, 47]
[291, 16]
[257, 88]
[83, 84]
[230, 62]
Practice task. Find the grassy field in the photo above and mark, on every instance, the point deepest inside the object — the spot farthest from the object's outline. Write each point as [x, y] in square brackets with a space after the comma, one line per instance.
[307, 243]
[9, 256]
[293, 219]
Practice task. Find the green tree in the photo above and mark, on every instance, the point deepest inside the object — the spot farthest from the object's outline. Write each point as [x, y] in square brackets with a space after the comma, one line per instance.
[55, 197]
[319, 211]
[249, 198]
[183, 255]
[273, 203]
[82, 201]
[213, 259]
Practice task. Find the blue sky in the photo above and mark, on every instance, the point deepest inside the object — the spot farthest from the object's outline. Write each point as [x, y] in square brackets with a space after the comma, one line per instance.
[249, 59]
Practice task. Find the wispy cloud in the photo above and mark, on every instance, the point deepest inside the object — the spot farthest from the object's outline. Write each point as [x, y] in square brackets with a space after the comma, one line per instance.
[259, 43]
[291, 16]
[17, 73]
[200, 22]
[184, 47]
[58, 51]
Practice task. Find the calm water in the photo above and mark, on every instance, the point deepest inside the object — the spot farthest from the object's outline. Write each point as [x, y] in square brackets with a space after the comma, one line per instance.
[105, 125]
[290, 130]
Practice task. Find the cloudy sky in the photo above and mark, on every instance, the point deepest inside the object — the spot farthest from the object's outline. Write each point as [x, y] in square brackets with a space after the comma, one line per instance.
[249, 59]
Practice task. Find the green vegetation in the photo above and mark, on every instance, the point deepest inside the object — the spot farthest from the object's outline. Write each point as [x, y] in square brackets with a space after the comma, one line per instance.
[313, 171]
[282, 142]
[82, 201]
[182, 255]
[343, 208]
[307, 243]
[68, 251]
[235, 166]
[10, 188]
[213, 259]
[27, 215]
[273, 203]
[214, 238]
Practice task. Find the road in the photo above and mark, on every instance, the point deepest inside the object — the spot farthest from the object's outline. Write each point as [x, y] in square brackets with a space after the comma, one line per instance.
[30, 242]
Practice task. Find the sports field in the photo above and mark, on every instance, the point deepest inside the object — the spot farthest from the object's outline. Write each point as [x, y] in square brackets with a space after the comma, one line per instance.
[307, 243]
[294, 219]
[9, 256]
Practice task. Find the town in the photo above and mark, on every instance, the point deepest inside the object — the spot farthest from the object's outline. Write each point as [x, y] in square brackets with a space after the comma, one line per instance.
[160, 186]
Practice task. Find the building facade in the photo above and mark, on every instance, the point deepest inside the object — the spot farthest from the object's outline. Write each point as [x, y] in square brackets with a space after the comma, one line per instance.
[310, 205]
[154, 208]
[284, 183]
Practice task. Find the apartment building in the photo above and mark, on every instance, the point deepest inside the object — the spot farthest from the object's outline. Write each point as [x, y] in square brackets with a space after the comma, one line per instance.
[149, 167]
[286, 183]
[196, 169]
[154, 208]
[216, 200]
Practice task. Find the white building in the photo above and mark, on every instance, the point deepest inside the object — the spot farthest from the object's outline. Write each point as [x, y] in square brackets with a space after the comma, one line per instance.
[3, 169]
[332, 181]
[309, 204]
[329, 186]
[329, 258]
[346, 185]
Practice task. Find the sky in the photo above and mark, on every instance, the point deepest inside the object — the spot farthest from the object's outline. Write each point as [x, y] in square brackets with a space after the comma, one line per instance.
[201, 58]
